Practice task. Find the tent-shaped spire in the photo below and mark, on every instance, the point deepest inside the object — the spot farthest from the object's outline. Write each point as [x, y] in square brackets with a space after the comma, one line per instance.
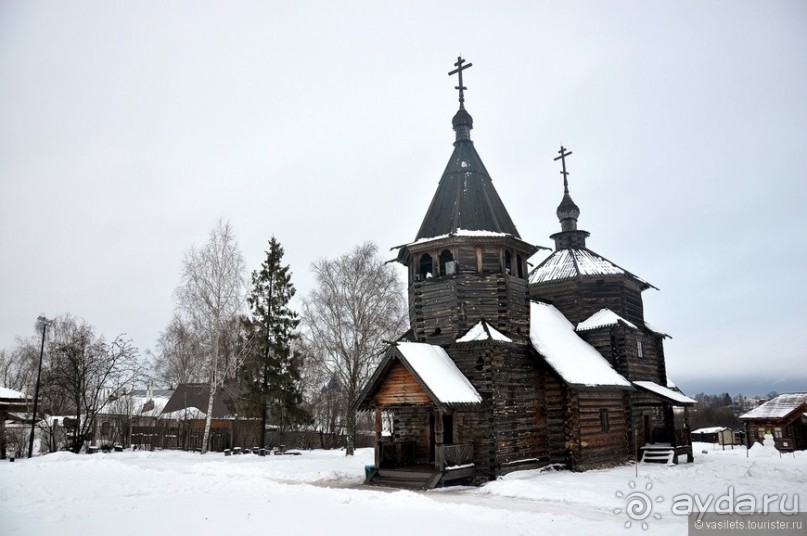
[465, 197]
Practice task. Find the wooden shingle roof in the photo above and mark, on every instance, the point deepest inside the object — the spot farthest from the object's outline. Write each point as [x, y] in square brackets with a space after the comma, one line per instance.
[778, 408]
[465, 197]
[579, 263]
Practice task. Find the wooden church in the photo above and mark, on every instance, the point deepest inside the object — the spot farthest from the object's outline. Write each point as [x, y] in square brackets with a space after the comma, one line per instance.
[505, 368]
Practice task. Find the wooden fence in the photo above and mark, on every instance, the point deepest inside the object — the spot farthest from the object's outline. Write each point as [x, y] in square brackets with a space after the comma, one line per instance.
[230, 434]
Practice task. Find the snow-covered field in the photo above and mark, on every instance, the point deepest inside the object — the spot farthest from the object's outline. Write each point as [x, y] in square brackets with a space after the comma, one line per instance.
[320, 492]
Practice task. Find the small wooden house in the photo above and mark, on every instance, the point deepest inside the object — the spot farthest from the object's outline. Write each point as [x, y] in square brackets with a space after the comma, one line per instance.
[714, 434]
[784, 417]
[503, 368]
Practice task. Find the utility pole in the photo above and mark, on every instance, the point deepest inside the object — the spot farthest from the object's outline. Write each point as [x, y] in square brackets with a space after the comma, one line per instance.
[41, 323]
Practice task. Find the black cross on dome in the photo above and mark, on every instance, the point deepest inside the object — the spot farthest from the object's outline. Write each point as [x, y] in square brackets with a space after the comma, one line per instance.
[562, 158]
[458, 71]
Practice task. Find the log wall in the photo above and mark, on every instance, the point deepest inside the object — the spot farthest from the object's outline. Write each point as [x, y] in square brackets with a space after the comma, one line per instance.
[413, 424]
[442, 309]
[599, 447]
[619, 345]
[579, 299]
[519, 416]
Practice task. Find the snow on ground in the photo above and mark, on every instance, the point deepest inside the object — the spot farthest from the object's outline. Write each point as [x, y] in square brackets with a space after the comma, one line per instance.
[320, 492]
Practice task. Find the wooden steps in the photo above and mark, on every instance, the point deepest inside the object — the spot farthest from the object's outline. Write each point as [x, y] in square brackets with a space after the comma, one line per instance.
[404, 479]
[660, 454]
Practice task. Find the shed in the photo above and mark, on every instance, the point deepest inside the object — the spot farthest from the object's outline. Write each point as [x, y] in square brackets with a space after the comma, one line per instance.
[714, 434]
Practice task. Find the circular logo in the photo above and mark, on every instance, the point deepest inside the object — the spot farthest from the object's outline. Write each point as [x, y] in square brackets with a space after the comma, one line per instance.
[638, 505]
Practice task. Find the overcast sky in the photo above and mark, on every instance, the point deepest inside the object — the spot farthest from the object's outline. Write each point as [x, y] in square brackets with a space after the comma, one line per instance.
[128, 128]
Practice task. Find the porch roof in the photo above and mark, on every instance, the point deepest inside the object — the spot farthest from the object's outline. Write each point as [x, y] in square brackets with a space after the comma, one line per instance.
[675, 397]
[432, 369]
[438, 373]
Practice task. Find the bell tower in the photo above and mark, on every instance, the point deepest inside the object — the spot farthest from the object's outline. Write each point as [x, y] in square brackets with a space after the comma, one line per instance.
[467, 262]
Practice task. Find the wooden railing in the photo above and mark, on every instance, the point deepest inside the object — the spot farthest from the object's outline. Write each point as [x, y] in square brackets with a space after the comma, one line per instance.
[458, 454]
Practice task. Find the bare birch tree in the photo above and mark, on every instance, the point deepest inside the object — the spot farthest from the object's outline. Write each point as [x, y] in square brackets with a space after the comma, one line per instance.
[86, 372]
[357, 305]
[177, 358]
[210, 297]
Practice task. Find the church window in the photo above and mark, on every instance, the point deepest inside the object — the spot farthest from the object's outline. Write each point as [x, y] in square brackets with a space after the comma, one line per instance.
[639, 349]
[604, 424]
[478, 259]
[520, 266]
[425, 266]
[480, 363]
[447, 264]
[507, 262]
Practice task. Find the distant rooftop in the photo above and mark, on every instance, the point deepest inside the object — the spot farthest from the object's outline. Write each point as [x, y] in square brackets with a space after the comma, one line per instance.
[777, 408]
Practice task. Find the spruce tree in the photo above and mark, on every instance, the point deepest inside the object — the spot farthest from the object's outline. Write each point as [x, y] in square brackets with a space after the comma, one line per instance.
[271, 371]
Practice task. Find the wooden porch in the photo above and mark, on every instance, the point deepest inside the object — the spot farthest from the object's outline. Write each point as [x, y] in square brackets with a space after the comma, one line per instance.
[399, 466]
[669, 443]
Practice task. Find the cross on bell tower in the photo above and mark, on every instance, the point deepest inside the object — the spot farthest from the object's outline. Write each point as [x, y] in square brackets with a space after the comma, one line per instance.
[458, 71]
[568, 212]
[562, 158]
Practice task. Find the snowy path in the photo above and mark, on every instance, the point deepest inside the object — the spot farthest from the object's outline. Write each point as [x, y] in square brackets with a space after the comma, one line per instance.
[320, 492]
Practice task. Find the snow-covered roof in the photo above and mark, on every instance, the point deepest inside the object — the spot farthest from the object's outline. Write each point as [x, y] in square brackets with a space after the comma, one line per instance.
[459, 232]
[5, 392]
[601, 319]
[439, 373]
[673, 396]
[149, 406]
[577, 362]
[186, 413]
[566, 264]
[671, 384]
[483, 331]
[656, 331]
[710, 430]
[777, 408]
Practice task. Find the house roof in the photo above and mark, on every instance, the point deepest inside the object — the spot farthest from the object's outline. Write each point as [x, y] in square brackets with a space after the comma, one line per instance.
[438, 373]
[12, 400]
[465, 197]
[482, 331]
[777, 408]
[139, 403]
[603, 318]
[11, 394]
[196, 395]
[576, 361]
[710, 430]
[578, 263]
[676, 397]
